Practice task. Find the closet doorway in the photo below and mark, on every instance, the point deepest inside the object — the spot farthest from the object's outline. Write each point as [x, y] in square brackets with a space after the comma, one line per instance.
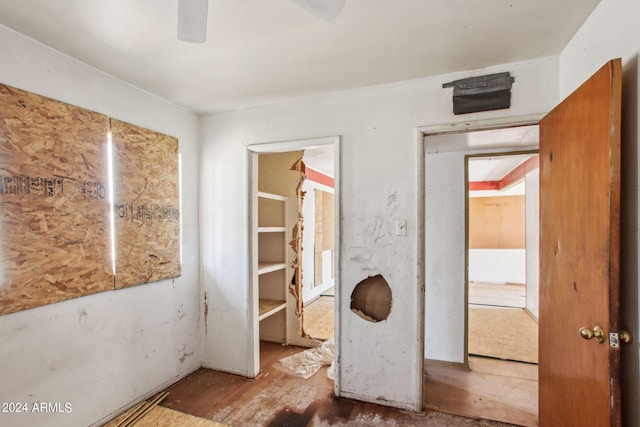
[293, 253]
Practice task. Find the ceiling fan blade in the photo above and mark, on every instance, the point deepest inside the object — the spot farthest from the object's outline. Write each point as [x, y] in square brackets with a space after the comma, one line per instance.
[192, 20]
[325, 9]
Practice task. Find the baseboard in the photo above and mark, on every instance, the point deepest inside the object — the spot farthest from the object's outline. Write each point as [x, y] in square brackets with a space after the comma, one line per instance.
[312, 300]
[457, 365]
[144, 397]
[417, 407]
[533, 316]
[304, 342]
[244, 374]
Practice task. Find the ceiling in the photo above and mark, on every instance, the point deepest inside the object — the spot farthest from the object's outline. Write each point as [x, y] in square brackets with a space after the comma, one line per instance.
[495, 168]
[265, 51]
[320, 158]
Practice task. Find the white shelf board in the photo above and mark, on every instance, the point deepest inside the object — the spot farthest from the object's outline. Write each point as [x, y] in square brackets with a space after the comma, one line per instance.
[268, 267]
[272, 229]
[268, 307]
[271, 196]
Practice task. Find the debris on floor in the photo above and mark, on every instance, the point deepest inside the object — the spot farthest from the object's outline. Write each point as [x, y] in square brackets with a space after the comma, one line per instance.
[306, 363]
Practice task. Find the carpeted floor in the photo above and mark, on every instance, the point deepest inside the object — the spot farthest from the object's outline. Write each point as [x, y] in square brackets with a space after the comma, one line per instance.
[503, 333]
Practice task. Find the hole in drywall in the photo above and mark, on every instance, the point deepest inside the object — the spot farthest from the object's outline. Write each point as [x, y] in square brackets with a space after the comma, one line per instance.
[371, 299]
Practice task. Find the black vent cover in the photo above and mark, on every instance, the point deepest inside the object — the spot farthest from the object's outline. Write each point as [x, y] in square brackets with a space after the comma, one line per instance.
[483, 93]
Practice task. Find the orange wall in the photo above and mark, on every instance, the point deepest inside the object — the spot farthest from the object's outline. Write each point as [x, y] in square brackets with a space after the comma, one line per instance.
[497, 222]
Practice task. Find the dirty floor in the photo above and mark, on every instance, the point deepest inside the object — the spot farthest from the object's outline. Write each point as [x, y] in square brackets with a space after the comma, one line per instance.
[277, 399]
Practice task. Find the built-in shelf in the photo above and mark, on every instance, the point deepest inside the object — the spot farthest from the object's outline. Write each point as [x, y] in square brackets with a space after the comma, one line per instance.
[272, 196]
[271, 272]
[272, 229]
[267, 307]
[268, 267]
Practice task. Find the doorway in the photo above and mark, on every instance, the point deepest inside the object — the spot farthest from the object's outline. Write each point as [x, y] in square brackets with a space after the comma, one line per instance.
[277, 179]
[318, 242]
[456, 382]
[502, 255]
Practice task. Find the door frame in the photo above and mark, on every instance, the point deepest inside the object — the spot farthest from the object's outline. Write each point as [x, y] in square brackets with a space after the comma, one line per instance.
[467, 157]
[253, 151]
[466, 126]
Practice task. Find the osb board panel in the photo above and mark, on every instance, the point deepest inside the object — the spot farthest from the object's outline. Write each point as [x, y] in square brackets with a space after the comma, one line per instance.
[160, 416]
[54, 207]
[147, 205]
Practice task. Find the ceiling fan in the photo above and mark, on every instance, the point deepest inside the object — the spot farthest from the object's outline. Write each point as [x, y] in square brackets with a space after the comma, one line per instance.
[192, 16]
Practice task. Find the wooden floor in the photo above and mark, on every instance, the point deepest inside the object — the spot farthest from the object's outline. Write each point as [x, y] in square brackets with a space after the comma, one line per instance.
[492, 389]
[319, 318]
[277, 399]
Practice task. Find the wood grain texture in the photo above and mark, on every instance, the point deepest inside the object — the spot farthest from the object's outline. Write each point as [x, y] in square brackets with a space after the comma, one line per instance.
[579, 254]
[54, 207]
[277, 399]
[492, 389]
[147, 205]
[160, 416]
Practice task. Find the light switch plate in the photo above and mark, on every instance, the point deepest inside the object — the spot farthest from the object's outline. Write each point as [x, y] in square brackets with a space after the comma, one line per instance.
[401, 227]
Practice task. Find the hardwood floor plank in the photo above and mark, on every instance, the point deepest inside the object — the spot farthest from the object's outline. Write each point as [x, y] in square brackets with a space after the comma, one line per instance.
[274, 398]
[498, 390]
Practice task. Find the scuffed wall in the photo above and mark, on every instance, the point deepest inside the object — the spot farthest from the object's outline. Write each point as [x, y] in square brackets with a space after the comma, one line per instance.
[378, 183]
[102, 352]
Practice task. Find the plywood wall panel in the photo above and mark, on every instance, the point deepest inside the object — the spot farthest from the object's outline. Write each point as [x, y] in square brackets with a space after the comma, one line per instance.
[54, 208]
[147, 205]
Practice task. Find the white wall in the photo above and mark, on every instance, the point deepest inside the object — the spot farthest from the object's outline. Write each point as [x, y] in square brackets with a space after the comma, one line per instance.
[532, 196]
[497, 265]
[103, 351]
[378, 183]
[309, 289]
[612, 31]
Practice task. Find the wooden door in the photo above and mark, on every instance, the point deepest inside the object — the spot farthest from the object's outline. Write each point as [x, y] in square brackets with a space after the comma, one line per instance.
[579, 254]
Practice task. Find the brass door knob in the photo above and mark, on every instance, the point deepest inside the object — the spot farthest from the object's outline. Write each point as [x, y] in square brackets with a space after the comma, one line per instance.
[626, 337]
[596, 333]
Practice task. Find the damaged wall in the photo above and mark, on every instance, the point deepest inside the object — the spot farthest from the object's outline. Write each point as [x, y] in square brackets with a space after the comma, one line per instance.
[377, 184]
[102, 352]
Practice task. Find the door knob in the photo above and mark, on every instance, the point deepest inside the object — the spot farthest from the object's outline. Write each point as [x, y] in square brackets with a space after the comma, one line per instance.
[596, 333]
[626, 337]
